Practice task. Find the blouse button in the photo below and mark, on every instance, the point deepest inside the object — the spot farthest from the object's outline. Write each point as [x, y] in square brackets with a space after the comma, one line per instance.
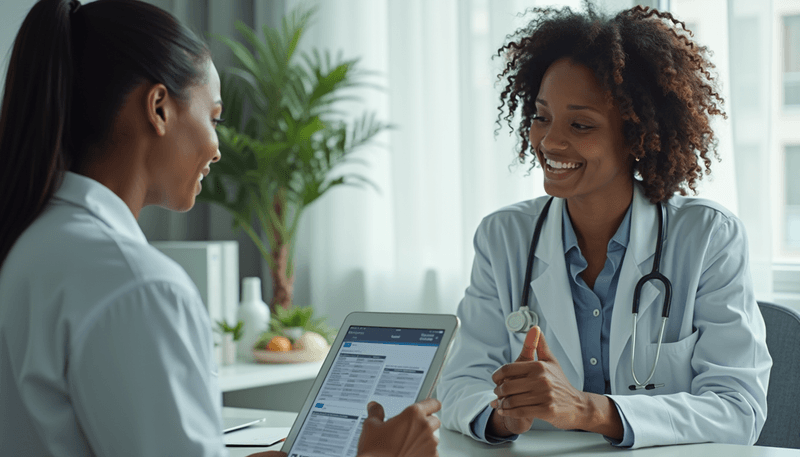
[596, 312]
[593, 361]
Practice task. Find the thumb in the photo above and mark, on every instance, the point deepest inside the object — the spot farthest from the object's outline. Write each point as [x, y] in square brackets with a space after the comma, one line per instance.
[543, 351]
[530, 345]
[375, 411]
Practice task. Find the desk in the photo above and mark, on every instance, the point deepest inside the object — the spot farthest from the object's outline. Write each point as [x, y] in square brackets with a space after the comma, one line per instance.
[281, 387]
[535, 443]
[246, 375]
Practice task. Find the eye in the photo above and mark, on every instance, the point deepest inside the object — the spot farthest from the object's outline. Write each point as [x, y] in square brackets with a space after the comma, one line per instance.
[537, 118]
[582, 126]
[218, 121]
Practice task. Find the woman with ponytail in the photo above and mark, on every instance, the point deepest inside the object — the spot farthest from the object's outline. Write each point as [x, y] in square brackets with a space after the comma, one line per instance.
[105, 344]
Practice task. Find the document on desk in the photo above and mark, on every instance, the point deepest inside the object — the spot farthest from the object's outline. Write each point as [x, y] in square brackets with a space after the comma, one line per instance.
[256, 436]
[383, 365]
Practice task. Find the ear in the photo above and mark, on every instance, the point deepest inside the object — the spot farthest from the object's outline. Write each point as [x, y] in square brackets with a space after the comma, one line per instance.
[159, 108]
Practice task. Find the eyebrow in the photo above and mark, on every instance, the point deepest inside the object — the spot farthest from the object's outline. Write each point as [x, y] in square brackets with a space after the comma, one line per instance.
[572, 107]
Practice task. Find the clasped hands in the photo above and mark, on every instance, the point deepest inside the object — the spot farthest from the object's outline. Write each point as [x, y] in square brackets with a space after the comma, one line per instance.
[534, 386]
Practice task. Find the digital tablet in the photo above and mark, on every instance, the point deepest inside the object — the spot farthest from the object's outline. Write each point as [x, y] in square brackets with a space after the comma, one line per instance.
[392, 358]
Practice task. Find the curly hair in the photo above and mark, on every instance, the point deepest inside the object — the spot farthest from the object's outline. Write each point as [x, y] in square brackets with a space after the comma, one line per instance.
[657, 76]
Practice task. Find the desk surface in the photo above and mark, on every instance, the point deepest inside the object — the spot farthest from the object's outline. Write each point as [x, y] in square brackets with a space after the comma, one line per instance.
[540, 443]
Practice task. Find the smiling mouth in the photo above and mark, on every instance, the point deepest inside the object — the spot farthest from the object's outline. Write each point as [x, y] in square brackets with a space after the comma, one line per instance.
[554, 166]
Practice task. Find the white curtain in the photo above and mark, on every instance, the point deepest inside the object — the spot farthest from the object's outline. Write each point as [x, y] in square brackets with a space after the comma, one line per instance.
[442, 168]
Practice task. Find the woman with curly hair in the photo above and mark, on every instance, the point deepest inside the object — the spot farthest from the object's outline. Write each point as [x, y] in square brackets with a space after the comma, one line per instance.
[616, 110]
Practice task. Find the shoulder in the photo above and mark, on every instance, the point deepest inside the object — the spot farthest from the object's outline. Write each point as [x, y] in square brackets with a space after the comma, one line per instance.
[693, 214]
[521, 214]
[70, 256]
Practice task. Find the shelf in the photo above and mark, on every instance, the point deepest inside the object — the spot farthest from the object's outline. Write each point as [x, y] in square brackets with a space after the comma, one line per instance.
[246, 375]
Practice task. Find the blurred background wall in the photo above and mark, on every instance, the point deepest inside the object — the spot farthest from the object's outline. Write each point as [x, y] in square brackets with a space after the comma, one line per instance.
[445, 165]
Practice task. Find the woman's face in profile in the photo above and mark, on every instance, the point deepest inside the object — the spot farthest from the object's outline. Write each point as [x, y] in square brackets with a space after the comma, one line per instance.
[189, 146]
[578, 136]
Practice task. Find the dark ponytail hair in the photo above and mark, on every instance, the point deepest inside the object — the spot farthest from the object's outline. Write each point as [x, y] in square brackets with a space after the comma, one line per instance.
[71, 68]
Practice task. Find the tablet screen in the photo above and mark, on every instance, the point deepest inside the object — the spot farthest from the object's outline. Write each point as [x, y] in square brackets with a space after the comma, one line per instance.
[387, 365]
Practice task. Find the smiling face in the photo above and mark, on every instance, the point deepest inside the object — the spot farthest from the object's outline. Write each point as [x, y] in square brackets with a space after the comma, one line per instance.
[188, 147]
[578, 136]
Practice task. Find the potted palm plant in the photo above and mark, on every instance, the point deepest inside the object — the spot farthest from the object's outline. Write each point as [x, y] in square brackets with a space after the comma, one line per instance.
[284, 140]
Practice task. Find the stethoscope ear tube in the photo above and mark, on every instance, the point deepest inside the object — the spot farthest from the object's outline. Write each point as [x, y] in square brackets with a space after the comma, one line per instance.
[524, 319]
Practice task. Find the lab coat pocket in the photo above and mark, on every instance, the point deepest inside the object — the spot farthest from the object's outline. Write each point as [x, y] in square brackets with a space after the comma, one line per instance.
[674, 368]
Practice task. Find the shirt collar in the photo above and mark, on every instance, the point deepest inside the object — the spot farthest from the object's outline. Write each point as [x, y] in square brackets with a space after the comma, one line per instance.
[620, 238]
[101, 202]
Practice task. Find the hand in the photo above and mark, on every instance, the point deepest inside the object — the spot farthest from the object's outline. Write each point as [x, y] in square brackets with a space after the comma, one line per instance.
[532, 388]
[410, 433]
[268, 454]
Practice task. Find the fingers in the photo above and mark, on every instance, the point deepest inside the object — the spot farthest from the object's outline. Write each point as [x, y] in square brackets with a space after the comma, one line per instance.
[528, 353]
[433, 422]
[375, 411]
[518, 386]
[428, 406]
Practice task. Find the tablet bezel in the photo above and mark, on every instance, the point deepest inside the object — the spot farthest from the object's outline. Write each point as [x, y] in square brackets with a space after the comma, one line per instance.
[447, 322]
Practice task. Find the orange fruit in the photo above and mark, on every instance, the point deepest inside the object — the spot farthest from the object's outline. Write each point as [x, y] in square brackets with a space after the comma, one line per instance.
[280, 344]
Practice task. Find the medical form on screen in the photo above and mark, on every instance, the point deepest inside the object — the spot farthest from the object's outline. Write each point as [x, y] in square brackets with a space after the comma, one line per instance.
[380, 364]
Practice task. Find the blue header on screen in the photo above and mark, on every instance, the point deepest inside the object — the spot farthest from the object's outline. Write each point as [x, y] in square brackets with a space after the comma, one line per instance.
[394, 335]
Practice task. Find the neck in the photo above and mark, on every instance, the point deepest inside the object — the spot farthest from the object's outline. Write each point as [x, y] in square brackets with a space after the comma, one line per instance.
[118, 171]
[595, 222]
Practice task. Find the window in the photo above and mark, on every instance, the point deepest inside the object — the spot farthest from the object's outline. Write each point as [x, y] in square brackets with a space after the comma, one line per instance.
[792, 196]
[791, 60]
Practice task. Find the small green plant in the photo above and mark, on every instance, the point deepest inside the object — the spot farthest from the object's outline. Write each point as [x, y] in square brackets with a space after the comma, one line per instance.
[296, 316]
[236, 330]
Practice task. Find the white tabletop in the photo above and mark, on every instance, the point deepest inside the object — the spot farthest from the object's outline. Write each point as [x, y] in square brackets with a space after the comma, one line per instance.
[549, 443]
[245, 375]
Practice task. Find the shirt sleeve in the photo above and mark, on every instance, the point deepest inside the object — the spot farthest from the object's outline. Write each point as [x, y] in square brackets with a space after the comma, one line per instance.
[627, 434]
[479, 424]
[141, 375]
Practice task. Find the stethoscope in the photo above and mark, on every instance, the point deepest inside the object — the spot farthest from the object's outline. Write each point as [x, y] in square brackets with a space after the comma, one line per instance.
[524, 319]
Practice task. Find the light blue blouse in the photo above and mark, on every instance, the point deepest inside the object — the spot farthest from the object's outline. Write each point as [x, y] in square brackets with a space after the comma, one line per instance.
[593, 309]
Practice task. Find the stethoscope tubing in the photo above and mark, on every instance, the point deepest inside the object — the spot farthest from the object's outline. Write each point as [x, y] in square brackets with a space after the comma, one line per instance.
[654, 275]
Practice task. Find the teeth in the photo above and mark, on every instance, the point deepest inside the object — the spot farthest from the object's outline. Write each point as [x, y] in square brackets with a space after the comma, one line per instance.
[201, 177]
[559, 165]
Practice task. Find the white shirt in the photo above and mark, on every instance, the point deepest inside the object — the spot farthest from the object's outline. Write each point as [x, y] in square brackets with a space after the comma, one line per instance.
[105, 345]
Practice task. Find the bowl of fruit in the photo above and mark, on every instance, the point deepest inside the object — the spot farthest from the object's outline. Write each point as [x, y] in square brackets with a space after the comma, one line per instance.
[294, 337]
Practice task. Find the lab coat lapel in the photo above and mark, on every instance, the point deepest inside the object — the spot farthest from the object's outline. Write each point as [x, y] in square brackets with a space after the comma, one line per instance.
[550, 287]
[638, 262]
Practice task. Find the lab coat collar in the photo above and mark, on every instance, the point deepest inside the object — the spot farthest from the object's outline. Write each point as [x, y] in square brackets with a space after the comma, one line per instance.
[638, 262]
[551, 288]
[101, 202]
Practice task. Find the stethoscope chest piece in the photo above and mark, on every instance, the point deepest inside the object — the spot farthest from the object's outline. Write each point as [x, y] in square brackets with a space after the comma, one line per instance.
[521, 321]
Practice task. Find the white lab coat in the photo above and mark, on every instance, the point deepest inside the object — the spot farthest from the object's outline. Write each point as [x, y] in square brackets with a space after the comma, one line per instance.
[105, 344]
[714, 361]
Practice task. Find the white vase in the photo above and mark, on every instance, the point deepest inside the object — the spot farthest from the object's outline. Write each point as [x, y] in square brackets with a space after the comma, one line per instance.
[255, 315]
[228, 349]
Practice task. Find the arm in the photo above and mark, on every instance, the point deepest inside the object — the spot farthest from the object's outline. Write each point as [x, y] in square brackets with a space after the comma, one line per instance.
[727, 399]
[140, 375]
[481, 345]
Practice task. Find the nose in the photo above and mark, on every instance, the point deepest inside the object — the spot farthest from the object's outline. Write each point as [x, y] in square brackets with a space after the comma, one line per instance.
[554, 139]
[216, 157]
